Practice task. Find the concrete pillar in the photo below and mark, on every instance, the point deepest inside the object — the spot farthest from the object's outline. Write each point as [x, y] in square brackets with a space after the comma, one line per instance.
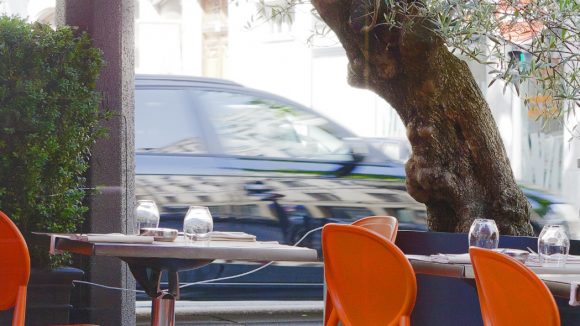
[111, 26]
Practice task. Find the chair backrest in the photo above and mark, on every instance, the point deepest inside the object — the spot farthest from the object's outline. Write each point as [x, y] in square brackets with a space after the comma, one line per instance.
[369, 279]
[386, 226]
[510, 293]
[14, 262]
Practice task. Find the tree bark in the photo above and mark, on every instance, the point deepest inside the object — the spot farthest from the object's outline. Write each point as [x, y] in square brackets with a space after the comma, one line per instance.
[459, 167]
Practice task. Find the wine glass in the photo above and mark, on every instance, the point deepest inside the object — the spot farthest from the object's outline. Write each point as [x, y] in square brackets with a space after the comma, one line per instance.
[146, 215]
[483, 234]
[553, 245]
[197, 223]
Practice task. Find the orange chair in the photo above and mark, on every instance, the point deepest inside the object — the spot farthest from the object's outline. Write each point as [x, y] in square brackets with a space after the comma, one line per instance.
[14, 269]
[509, 293]
[386, 226]
[370, 281]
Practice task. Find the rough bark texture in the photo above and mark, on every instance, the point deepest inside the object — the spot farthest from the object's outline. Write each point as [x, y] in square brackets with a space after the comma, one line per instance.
[459, 167]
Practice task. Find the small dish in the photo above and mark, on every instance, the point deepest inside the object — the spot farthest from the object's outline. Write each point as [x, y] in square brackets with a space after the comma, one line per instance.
[517, 254]
[160, 234]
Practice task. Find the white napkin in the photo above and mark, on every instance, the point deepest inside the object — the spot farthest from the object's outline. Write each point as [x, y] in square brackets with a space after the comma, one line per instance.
[533, 260]
[231, 236]
[573, 259]
[451, 258]
[418, 257]
[113, 238]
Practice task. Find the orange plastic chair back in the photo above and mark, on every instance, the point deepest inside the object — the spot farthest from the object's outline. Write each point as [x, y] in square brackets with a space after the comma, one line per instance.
[386, 226]
[370, 281]
[14, 269]
[510, 293]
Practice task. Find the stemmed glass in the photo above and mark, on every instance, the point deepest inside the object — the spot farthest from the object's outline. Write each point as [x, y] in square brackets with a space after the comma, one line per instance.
[197, 223]
[484, 234]
[146, 215]
[553, 245]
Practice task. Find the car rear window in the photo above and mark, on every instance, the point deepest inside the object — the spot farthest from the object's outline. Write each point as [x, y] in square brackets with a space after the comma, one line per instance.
[165, 122]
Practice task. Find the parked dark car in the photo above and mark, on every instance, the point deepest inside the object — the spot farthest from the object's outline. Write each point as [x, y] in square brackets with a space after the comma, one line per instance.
[263, 165]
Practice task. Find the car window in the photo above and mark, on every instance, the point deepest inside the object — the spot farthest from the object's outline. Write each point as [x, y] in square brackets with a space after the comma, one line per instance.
[253, 126]
[349, 214]
[165, 122]
[413, 216]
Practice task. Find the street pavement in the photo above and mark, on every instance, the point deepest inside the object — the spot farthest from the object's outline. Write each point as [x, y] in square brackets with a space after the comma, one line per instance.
[229, 313]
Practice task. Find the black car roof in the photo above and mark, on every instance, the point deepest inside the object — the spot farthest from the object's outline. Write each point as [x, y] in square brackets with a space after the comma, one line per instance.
[174, 80]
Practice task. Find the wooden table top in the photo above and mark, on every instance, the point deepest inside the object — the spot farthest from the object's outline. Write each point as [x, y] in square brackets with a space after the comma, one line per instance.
[561, 281]
[180, 249]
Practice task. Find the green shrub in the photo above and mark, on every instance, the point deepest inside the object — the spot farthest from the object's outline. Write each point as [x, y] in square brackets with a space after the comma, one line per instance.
[49, 118]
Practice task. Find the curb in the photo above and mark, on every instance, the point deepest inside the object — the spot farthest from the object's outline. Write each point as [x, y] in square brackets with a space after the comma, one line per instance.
[192, 308]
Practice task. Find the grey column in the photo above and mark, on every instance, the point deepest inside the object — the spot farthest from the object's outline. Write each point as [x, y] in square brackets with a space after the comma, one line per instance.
[111, 26]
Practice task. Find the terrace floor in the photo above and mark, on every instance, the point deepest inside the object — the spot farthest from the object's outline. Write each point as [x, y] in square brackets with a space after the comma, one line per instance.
[239, 313]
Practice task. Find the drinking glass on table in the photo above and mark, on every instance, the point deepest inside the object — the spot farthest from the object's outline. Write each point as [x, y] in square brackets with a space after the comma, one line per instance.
[553, 246]
[146, 215]
[483, 234]
[197, 224]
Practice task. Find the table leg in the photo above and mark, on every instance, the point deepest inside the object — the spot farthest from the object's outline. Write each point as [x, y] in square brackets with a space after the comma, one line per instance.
[163, 305]
[173, 286]
[163, 310]
[147, 272]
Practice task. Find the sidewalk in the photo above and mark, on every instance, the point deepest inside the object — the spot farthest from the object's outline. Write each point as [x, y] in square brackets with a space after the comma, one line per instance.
[305, 313]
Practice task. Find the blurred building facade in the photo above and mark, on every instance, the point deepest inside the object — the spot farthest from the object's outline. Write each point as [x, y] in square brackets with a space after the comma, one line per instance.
[291, 55]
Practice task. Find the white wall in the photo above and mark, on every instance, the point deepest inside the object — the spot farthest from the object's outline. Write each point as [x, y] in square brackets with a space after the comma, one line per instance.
[191, 38]
[18, 8]
[571, 162]
[276, 62]
[360, 110]
[286, 64]
[168, 42]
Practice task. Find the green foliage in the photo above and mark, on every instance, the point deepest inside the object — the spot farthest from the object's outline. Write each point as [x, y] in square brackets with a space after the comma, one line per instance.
[548, 31]
[49, 118]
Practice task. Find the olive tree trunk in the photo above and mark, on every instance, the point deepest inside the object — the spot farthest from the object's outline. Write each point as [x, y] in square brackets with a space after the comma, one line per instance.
[459, 167]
